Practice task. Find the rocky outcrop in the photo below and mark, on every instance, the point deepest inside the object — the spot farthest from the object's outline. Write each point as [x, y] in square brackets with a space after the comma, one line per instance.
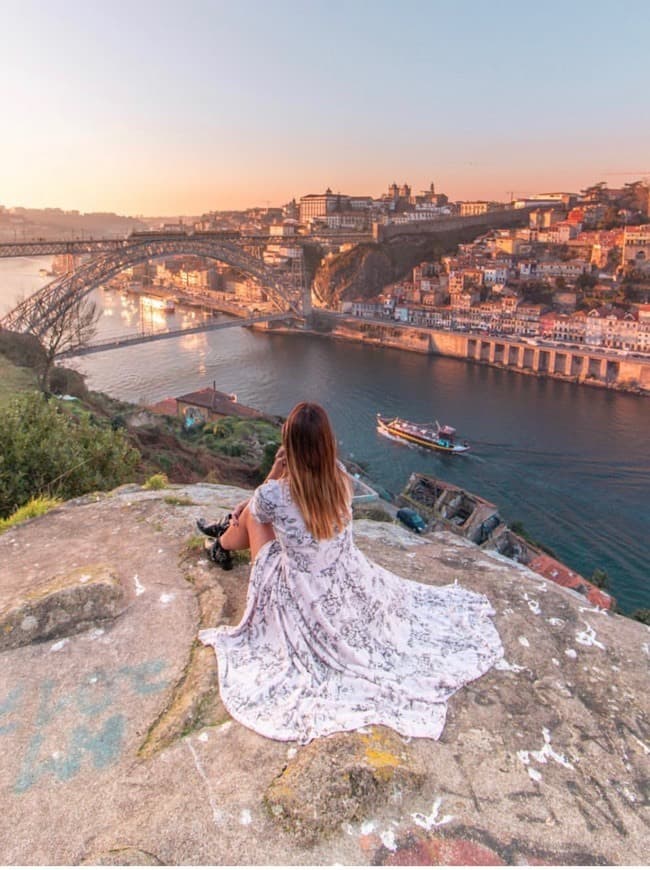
[360, 272]
[364, 271]
[115, 747]
[43, 608]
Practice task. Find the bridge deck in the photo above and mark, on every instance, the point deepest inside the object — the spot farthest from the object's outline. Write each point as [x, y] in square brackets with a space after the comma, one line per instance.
[142, 338]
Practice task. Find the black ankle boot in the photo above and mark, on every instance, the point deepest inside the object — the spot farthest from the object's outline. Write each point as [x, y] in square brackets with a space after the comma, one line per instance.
[213, 530]
[220, 557]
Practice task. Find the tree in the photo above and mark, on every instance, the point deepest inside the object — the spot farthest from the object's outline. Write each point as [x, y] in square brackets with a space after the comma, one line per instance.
[634, 196]
[72, 328]
[595, 192]
[586, 281]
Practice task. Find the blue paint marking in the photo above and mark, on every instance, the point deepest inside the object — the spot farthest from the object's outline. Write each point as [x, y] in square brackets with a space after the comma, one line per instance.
[8, 706]
[97, 739]
[104, 747]
[140, 674]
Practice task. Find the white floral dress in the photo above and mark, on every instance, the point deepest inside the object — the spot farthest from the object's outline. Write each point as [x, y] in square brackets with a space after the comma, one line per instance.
[331, 642]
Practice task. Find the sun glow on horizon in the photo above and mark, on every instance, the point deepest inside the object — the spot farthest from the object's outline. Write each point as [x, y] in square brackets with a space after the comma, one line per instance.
[244, 105]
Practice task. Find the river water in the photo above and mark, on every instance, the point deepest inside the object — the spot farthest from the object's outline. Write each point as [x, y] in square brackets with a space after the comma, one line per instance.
[570, 462]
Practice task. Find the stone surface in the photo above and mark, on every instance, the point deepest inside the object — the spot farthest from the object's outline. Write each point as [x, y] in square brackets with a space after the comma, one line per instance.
[340, 779]
[64, 604]
[125, 857]
[545, 759]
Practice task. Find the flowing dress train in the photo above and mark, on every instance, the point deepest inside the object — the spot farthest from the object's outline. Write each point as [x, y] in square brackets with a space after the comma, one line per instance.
[330, 642]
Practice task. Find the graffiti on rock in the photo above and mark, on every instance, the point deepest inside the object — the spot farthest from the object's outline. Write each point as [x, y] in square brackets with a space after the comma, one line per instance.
[73, 727]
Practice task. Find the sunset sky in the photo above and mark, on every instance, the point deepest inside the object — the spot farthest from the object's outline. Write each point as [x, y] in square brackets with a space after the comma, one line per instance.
[156, 107]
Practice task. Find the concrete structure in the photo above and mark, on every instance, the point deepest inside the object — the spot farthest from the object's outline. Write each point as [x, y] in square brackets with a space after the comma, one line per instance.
[523, 355]
[636, 248]
[414, 229]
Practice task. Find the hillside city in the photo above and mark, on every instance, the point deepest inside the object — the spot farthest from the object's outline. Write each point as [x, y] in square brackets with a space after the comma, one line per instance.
[577, 274]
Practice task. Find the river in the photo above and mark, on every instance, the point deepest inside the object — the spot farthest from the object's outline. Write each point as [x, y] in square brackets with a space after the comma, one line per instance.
[570, 462]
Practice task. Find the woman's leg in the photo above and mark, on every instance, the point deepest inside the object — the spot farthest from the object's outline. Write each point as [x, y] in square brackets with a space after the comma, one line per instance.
[248, 534]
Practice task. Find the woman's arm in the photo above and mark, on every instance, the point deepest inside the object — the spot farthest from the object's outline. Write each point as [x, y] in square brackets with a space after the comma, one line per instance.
[279, 466]
[277, 470]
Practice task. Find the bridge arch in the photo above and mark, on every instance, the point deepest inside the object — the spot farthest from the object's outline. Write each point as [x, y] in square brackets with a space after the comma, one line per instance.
[39, 311]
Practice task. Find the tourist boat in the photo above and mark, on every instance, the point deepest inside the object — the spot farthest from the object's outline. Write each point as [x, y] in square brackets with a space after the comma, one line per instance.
[430, 435]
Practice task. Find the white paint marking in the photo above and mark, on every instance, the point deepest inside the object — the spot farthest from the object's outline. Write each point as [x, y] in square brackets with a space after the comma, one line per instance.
[95, 633]
[217, 815]
[571, 653]
[524, 641]
[595, 609]
[139, 588]
[84, 578]
[433, 820]
[29, 623]
[646, 649]
[226, 726]
[166, 597]
[245, 817]
[544, 754]
[556, 662]
[368, 828]
[532, 604]
[203, 737]
[58, 645]
[534, 774]
[555, 620]
[292, 752]
[388, 840]
[504, 665]
[588, 637]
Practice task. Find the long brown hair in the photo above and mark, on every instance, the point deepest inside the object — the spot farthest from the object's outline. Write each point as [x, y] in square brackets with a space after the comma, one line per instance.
[318, 485]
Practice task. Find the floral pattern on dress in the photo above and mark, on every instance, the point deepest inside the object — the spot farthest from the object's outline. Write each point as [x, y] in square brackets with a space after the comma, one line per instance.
[330, 641]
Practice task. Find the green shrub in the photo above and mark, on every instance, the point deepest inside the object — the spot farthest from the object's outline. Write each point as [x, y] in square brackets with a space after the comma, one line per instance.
[600, 578]
[34, 508]
[156, 481]
[67, 382]
[47, 451]
[270, 449]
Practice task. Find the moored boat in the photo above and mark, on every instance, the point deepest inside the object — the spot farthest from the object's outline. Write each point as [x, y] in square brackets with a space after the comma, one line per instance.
[430, 435]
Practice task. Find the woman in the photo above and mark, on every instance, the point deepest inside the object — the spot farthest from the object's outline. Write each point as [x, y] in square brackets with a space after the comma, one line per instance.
[329, 641]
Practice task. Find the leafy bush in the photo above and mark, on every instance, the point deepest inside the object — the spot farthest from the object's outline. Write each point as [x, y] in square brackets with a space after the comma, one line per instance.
[600, 578]
[67, 382]
[270, 449]
[34, 508]
[47, 451]
[156, 481]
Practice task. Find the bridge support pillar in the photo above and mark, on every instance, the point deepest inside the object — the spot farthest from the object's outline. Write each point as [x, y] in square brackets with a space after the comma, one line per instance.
[306, 301]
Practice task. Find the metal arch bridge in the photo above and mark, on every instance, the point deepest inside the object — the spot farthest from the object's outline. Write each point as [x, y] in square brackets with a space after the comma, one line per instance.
[39, 312]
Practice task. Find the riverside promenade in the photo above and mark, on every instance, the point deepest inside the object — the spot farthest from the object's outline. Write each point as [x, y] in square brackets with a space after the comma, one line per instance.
[592, 366]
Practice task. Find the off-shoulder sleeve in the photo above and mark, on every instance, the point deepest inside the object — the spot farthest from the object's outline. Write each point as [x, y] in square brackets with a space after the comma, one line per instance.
[265, 501]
